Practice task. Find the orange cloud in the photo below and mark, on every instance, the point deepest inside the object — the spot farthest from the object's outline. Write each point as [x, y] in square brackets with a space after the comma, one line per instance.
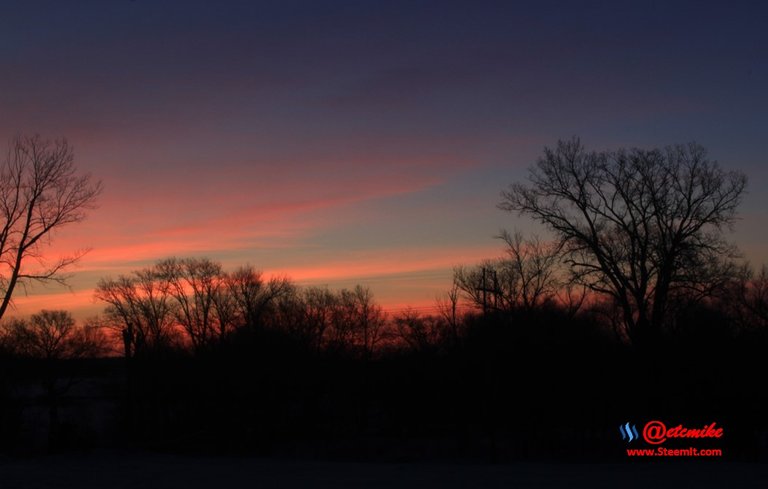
[398, 277]
[391, 262]
[81, 303]
[131, 238]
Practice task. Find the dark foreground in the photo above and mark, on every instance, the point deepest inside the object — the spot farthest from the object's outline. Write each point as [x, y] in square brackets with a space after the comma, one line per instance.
[148, 470]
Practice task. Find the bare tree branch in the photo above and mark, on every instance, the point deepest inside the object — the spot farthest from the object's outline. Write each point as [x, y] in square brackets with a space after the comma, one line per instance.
[635, 225]
[40, 191]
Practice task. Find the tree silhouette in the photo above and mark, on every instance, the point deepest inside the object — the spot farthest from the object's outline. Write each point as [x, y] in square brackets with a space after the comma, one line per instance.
[53, 335]
[141, 307]
[50, 337]
[524, 280]
[746, 299]
[197, 287]
[448, 307]
[306, 314]
[636, 225]
[253, 297]
[40, 191]
[364, 318]
[422, 332]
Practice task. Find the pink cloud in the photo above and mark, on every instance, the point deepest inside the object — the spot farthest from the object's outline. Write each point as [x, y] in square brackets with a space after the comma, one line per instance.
[390, 262]
[398, 277]
[81, 303]
[119, 237]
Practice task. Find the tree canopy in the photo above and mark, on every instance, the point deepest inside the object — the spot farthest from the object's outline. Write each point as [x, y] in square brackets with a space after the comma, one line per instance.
[636, 225]
[40, 191]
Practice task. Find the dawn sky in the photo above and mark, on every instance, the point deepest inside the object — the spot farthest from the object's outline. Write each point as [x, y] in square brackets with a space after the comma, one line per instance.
[362, 142]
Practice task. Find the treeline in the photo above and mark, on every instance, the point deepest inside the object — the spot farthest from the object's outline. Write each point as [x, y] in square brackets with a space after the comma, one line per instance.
[193, 304]
[514, 365]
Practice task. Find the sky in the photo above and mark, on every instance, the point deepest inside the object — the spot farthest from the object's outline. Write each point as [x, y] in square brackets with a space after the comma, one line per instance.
[361, 142]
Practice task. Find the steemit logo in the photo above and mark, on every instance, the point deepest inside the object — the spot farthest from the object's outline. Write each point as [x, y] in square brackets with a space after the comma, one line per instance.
[628, 432]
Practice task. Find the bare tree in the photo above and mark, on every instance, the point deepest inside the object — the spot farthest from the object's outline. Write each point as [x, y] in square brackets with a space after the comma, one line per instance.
[524, 280]
[225, 309]
[316, 306]
[448, 306]
[252, 296]
[635, 225]
[420, 332]
[193, 296]
[746, 299]
[141, 307]
[366, 316]
[197, 286]
[487, 286]
[40, 192]
[357, 322]
[53, 335]
[532, 264]
[369, 319]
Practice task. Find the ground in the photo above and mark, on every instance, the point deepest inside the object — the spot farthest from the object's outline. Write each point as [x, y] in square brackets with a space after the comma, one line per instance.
[149, 470]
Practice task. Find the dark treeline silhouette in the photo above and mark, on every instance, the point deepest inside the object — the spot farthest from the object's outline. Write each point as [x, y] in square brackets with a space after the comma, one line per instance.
[311, 372]
[637, 310]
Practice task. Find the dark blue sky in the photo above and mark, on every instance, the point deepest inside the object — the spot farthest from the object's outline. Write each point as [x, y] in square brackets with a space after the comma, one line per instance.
[368, 142]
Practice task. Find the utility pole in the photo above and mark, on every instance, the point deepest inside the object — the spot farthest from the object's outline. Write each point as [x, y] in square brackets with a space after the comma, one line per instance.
[489, 285]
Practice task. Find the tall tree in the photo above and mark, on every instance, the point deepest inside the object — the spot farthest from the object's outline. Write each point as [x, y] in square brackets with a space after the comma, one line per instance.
[40, 191]
[253, 297]
[141, 307]
[637, 225]
[53, 335]
[196, 284]
[524, 280]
